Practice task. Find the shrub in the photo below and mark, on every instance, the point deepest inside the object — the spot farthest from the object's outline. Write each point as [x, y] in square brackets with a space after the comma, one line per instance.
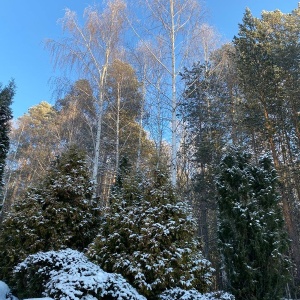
[57, 214]
[148, 236]
[68, 274]
[180, 294]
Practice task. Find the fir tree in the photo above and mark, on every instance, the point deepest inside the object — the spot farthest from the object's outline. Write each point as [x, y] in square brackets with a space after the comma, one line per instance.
[253, 242]
[6, 96]
[57, 214]
[149, 237]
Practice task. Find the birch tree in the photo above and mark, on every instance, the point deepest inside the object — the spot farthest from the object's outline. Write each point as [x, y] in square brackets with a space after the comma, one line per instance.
[154, 102]
[89, 48]
[174, 22]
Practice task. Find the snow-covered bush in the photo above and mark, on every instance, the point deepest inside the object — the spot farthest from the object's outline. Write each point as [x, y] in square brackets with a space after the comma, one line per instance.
[57, 214]
[68, 274]
[148, 236]
[5, 292]
[180, 294]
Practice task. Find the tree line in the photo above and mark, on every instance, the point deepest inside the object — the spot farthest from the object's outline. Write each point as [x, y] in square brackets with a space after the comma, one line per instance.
[178, 102]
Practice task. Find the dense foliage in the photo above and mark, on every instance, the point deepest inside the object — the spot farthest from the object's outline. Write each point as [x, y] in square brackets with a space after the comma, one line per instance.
[6, 96]
[253, 242]
[149, 237]
[57, 214]
[206, 103]
[267, 62]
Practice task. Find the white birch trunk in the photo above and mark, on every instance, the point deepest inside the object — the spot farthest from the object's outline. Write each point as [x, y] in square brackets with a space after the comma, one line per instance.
[174, 98]
[99, 126]
[118, 128]
[139, 151]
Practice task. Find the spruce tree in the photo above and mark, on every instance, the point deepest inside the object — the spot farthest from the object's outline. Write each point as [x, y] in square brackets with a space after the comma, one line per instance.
[59, 213]
[148, 236]
[253, 242]
[6, 96]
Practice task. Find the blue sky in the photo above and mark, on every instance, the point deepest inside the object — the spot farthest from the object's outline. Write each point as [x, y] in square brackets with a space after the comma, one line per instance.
[24, 25]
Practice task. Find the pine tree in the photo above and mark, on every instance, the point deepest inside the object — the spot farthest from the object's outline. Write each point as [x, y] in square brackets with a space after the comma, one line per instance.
[206, 97]
[6, 96]
[253, 242]
[267, 60]
[57, 214]
[149, 237]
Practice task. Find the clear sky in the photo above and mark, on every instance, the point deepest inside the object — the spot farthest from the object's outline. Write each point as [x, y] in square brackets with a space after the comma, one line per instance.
[24, 25]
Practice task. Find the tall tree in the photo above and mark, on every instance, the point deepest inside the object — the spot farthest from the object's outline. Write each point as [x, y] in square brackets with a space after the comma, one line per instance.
[77, 117]
[56, 213]
[267, 59]
[152, 76]
[34, 143]
[91, 49]
[261, 92]
[6, 96]
[223, 67]
[123, 106]
[253, 241]
[175, 22]
[205, 99]
[123, 135]
[149, 237]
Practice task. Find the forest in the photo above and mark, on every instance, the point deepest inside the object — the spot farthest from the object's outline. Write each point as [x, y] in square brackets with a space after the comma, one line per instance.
[167, 169]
